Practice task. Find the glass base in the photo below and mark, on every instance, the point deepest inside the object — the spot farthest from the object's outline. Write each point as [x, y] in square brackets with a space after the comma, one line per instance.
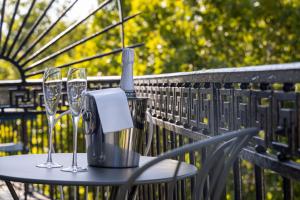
[49, 165]
[74, 169]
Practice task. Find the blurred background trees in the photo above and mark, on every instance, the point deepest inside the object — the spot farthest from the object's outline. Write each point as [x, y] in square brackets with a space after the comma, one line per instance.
[179, 35]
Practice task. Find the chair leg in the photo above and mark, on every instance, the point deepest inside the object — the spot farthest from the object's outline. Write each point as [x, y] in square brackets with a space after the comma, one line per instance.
[26, 190]
[12, 190]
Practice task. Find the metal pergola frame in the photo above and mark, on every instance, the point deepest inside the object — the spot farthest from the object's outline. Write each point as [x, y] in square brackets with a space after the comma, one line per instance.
[26, 60]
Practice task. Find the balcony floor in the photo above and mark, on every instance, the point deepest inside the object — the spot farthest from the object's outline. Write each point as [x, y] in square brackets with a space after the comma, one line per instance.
[19, 188]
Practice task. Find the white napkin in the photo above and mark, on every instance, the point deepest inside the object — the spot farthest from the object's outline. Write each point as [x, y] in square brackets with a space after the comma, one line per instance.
[113, 109]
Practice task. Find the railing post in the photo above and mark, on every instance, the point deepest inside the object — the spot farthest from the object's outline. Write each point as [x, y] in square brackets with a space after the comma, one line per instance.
[287, 189]
[24, 134]
[259, 183]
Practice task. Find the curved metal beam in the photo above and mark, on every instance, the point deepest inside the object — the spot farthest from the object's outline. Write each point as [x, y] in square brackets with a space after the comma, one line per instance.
[86, 59]
[75, 44]
[10, 27]
[120, 8]
[16, 65]
[21, 28]
[32, 29]
[62, 34]
[2, 19]
[11, 49]
[40, 37]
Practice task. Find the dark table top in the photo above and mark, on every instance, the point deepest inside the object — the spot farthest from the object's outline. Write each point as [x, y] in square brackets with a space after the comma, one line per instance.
[22, 168]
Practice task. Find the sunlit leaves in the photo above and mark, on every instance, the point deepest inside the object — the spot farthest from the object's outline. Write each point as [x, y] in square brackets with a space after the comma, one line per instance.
[185, 35]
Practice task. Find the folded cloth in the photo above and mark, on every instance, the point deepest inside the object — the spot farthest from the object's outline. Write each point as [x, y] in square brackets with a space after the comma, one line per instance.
[113, 109]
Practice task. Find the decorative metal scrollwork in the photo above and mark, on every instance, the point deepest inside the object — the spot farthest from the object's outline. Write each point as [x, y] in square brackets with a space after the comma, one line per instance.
[15, 48]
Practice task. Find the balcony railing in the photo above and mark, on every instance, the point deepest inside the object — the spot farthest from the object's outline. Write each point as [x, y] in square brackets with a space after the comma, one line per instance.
[188, 107]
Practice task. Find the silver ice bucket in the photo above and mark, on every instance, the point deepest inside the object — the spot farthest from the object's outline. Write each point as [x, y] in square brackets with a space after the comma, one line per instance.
[117, 149]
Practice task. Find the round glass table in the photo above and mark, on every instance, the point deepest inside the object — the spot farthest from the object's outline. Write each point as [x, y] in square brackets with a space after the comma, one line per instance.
[22, 168]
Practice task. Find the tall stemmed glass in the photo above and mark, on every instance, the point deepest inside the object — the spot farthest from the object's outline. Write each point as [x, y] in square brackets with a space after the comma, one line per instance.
[52, 85]
[76, 87]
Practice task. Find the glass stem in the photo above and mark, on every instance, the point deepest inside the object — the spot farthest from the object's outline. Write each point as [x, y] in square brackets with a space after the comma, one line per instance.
[51, 121]
[75, 120]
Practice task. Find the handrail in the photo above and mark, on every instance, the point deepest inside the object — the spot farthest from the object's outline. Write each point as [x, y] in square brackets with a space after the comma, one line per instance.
[288, 72]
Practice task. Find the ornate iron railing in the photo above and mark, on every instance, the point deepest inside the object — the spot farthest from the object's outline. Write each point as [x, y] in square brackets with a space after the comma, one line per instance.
[22, 118]
[187, 107]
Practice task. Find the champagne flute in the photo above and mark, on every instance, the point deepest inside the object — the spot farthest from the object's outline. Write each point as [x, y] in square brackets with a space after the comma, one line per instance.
[76, 87]
[52, 85]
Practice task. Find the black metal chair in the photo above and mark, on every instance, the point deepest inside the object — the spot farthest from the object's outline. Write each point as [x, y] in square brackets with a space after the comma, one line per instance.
[14, 147]
[225, 150]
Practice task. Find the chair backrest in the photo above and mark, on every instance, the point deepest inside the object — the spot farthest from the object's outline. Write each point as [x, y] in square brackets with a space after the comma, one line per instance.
[225, 150]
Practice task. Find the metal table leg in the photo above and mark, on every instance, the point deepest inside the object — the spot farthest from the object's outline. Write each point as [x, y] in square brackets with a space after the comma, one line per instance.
[26, 190]
[61, 190]
[12, 190]
[75, 192]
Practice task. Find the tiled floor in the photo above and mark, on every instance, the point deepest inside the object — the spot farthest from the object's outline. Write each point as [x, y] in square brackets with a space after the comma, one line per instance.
[4, 192]
[19, 188]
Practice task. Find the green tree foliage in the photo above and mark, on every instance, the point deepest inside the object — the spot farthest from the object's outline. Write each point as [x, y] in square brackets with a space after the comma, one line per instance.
[181, 35]
[191, 35]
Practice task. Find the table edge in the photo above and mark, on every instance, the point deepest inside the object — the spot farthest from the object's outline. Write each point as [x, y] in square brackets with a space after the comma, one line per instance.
[83, 183]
